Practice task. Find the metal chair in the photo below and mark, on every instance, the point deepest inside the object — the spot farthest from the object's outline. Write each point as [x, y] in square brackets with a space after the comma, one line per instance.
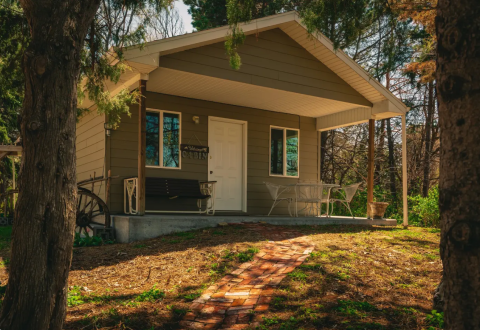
[348, 193]
[276, 191]
[310, 193]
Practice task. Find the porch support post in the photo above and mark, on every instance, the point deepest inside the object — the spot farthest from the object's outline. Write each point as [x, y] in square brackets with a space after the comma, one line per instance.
[371, 155]
[319, 155]
[142, 144]
[404, 171]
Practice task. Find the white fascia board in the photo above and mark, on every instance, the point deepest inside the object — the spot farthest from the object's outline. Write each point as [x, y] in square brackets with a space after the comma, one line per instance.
[402, 108]
[379, 111]
[210, 36]
[344, 118]
[385, 106]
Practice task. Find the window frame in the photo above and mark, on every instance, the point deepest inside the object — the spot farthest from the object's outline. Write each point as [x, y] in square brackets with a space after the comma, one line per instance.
[284, 175]
[160, 139]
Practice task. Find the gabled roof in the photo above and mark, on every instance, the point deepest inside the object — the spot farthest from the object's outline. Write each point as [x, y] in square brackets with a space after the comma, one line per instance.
[145, 59]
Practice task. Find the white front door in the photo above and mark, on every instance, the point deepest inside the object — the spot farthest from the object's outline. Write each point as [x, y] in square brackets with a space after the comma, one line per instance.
[225, 163]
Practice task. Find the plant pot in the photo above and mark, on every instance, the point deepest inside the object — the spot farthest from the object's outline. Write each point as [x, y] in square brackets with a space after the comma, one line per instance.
[377, 209]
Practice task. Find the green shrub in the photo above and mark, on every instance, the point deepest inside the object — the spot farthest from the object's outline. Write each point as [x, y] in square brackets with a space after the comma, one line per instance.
[80, 241]
[425, 210]
[358, 204]
[435, 320]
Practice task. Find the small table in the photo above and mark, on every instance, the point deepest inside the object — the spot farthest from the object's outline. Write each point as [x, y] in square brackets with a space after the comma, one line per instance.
[327, 186]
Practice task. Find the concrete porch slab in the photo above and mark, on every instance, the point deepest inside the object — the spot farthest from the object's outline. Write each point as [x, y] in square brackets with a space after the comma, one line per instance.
[136, 228]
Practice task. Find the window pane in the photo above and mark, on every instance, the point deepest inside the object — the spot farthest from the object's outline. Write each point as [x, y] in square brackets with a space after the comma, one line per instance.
[171, 140]
[292, 153]
[152, 151]
[276, 151]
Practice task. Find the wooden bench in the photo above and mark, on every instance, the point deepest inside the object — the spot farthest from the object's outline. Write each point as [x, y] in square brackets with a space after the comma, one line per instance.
[173, 189]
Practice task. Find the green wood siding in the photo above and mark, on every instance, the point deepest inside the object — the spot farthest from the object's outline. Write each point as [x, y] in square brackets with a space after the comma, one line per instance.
[270, 59]
[90, 148]
[124, 144]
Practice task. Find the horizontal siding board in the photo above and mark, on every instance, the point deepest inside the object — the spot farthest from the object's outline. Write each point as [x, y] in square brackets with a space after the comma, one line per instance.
[89, 169]
[88, 120]
[84, 150]
[250, 61]
[279, 57]
[278, 36]
[95, 156]
[90, 146]
[96, 127]
[123, 154]
[264, 43]
[221, 63]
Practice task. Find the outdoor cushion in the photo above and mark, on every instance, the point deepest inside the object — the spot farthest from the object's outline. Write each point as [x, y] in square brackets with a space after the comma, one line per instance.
[173, 188]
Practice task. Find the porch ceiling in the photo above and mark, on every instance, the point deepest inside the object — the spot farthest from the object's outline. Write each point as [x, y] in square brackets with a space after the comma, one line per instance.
[196, 86]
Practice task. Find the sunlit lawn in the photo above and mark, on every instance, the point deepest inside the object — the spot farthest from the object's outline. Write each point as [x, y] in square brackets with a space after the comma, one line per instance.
[357, 278]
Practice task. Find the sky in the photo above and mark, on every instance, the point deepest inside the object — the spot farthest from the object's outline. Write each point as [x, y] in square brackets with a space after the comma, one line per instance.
[187, 19]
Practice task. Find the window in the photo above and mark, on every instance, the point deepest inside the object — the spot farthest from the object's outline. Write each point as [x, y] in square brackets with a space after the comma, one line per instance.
[163, 139]
[284, 150]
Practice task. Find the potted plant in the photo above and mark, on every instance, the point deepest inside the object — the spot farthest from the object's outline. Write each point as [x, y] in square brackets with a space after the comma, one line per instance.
[377, 209]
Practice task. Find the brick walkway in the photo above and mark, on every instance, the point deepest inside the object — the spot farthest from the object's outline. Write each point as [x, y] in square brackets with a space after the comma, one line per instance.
[229, 303]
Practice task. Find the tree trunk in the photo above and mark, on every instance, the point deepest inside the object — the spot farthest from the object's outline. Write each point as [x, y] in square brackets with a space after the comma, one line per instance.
[428, 141]
[45, 215]
[458, 85]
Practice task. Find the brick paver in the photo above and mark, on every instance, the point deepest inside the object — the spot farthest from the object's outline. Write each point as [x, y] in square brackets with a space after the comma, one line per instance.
[238, 300]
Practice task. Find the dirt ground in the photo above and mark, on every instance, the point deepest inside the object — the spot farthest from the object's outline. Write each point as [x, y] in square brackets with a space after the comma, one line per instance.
[357, 278]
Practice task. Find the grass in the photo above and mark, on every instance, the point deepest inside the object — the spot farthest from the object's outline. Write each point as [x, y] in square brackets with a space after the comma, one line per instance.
[361, 278]
[356, 278]
[247, 255]
[225, 263]
[298, 275]
[74, 296]
[151, 295]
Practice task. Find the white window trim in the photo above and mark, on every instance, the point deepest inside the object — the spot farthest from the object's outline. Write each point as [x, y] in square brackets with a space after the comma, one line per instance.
[160, 140]
[284, 175]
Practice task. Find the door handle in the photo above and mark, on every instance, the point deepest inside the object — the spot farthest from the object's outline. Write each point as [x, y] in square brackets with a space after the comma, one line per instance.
[211, 172]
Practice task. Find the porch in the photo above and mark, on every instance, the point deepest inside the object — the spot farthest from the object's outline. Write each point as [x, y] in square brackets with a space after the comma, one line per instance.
[135, 228]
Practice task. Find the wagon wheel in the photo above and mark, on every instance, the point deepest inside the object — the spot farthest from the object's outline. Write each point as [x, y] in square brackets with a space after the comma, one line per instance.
[91, 209]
